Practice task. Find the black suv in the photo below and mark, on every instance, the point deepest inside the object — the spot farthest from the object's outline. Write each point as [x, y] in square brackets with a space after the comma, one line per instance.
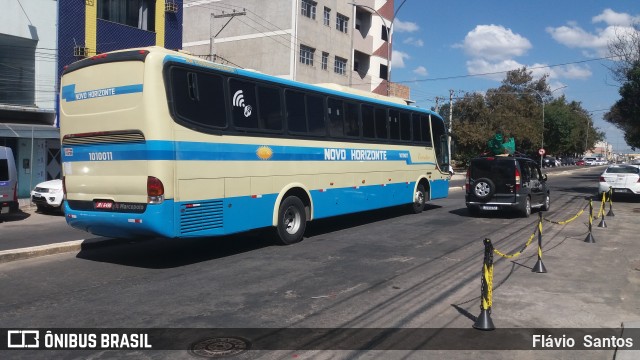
[506, 183]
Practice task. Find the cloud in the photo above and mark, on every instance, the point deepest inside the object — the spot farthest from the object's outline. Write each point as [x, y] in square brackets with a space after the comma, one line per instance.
[398, 58]
[421, 71]
[494, 42]
[401, 26]
[413, 41]
[613, 18]
[573, 36]
[492, 69]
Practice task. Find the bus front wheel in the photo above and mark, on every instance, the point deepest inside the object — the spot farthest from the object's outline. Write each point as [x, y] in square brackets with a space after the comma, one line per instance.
[292, 221]
[419, 199]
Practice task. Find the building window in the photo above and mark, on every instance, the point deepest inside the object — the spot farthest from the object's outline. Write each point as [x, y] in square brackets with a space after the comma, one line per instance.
[340, 66]
[325, 60]
[327, 16]
[308, 9]
[383, 72]
[342, 23]
[385, 33]
[136, 13]
[306, 55]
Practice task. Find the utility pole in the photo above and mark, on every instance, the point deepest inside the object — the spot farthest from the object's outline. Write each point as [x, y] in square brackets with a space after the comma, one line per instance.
[450, 130]
[223, 15]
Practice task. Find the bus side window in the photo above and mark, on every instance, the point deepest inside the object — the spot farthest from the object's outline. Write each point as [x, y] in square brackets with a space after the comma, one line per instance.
[336, 115]
[426, 130]
[405, 126]
[244, 104]
[381, 123]
[417, 133]
[394, 125]
[315, 115]
[296, 119]
[269, 108]
[351, 124]
[368, 124]
[198, 98]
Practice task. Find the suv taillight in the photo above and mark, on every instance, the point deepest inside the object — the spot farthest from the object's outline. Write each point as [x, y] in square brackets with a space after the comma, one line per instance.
[15, 193]
[517, 174]
[467, 181]
[155, 190]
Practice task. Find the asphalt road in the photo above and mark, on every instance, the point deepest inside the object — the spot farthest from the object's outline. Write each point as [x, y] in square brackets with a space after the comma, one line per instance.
[384, 269]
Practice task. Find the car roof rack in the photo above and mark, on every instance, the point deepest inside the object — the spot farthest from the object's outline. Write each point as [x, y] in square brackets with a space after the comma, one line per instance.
[515, 154]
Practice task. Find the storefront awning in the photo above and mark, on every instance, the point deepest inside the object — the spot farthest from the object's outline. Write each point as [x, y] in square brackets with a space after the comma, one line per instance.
[29, 131]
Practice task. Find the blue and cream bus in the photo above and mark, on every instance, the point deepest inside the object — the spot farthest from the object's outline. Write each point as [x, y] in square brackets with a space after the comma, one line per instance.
[162, 144]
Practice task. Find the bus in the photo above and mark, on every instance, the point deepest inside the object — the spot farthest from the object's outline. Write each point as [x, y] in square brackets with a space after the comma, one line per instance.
[158, 143]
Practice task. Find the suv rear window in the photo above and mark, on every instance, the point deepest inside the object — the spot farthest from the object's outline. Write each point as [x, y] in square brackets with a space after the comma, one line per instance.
[501, 172]
[492, 168]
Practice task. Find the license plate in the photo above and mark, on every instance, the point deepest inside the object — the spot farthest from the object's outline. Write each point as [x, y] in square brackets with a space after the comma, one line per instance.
[620, 190]
[103, 205]
[4, 210]
[489, 207]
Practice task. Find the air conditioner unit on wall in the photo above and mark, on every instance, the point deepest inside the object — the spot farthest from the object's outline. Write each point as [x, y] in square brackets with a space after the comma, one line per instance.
[171, 7]
[80, 51]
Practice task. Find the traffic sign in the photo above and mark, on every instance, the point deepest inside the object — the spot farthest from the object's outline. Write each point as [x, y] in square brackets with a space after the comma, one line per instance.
[541, 151]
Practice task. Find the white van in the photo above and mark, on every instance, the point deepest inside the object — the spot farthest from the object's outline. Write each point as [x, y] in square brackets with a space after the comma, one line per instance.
[8, 181]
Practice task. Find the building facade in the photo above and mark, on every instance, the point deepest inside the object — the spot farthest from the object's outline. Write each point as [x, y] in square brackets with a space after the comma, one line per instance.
[38, 38]
[323, 41]
[27, 90]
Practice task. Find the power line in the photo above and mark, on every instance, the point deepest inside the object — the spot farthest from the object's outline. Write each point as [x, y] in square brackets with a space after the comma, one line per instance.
[506, 71]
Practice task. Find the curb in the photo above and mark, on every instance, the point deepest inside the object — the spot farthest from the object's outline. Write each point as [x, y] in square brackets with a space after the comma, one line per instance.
[57, 248]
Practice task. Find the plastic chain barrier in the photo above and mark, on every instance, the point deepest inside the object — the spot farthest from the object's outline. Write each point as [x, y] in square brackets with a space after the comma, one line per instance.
[568, 220]
[484, 321]
[515, 255]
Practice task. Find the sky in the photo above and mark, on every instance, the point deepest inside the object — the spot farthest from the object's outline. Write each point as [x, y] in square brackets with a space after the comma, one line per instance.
[467, 46]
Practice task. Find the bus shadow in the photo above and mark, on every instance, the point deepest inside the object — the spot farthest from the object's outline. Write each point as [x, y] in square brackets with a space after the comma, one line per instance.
[171, 253]
[162, 253]
[342, 222]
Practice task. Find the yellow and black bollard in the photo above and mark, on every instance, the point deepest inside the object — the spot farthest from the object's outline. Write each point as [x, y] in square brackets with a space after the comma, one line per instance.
[589, 238]
[610, 213]
[602, 224]
[539, 266]
[484, 321]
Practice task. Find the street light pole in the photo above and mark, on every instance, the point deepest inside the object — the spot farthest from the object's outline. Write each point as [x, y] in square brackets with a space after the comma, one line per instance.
[542, 101]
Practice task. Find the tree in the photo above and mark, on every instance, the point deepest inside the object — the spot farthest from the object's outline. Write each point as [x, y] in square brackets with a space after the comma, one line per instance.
[515, 109]
[625, 113]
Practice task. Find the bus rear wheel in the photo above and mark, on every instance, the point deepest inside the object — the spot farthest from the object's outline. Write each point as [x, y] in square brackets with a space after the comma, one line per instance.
[292, 221]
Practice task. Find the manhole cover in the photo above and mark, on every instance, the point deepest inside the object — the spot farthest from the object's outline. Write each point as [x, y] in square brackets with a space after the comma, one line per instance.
[220, 347]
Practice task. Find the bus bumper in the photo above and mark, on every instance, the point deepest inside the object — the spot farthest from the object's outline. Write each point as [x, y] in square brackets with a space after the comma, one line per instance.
[155, 221]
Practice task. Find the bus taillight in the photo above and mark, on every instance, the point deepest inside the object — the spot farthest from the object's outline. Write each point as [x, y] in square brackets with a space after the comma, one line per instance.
[155, 190]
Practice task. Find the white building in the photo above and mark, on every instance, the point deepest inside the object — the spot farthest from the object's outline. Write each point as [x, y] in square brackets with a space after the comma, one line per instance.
[323, 41]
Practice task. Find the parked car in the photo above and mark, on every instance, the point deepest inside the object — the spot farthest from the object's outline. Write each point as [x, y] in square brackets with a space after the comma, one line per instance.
[8, 181]
[48, 196]
[580, 162]
[511, 183]
[566, 161]
[621, 179]
[549, 161]
[590, 161]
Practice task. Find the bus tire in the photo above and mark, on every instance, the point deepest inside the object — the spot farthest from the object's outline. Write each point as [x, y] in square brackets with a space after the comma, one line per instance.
[292, 221]
[419, 199]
